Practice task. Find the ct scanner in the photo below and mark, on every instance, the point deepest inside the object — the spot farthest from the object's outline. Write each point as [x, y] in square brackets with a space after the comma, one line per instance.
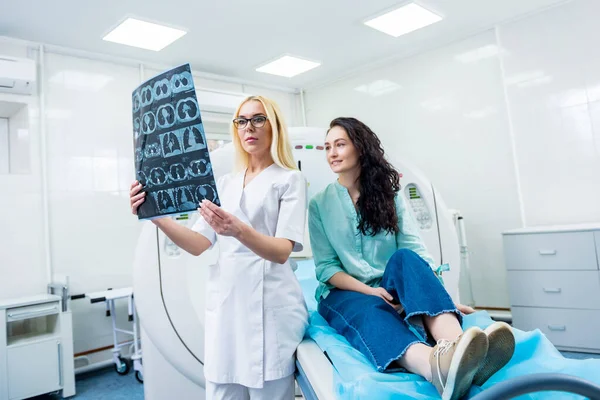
[169, 283]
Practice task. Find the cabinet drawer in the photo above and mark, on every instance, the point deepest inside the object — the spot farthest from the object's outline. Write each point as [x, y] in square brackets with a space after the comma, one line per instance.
[566, 328]
[34, 311]
[555, 289]
[34, 369]
[551, 251]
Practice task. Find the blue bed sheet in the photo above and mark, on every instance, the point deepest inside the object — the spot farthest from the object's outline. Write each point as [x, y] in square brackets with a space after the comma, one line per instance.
[356, 378]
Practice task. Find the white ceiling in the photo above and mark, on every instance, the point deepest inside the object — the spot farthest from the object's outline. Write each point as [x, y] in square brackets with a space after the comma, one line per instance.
[233, 37]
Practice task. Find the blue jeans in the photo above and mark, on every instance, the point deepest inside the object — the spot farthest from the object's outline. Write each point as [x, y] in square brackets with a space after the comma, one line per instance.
[375, 328]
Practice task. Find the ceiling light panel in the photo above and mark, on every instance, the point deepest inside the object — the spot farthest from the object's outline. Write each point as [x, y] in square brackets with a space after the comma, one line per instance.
[288, 66]
[145, 35]
[403, 20]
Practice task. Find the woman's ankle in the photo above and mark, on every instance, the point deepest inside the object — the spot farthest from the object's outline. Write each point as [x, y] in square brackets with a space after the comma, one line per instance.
[416, 360]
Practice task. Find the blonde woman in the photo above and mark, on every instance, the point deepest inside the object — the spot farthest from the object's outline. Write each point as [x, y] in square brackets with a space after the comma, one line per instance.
[255, 312]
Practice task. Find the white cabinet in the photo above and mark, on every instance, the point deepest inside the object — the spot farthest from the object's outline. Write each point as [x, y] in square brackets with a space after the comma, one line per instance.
[36, 348]
[554, 283]
[34, 368]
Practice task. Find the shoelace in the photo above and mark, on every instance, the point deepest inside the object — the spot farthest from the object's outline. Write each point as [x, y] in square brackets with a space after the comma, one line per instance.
[443, 346]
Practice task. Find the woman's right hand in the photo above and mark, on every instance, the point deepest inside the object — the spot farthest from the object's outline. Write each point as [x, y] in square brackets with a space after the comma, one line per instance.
[135, 197]
[388, 298]
[344, 281]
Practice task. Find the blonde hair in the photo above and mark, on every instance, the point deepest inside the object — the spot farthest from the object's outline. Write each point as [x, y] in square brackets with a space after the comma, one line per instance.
[281, 148]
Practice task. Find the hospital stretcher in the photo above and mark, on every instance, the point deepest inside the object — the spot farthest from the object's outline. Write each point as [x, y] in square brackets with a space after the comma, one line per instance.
[109, 297]
[314, 372]
[329, 368]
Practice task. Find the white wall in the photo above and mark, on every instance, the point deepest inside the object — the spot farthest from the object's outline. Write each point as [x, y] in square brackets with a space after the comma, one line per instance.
[22, 245]
[19, 139]
[22, 251]
[458, 110]
[552, 75]
[4, 145]
[90, 169]
[89, 152]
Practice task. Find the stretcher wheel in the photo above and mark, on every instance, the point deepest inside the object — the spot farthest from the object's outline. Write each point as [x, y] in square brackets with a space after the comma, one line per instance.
[139, 376]
[123, 367]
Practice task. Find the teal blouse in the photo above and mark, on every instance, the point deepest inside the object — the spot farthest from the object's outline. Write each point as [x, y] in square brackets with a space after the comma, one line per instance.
[338, 245]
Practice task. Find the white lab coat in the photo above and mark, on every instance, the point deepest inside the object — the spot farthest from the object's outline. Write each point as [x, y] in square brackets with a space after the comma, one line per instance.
[255, 311]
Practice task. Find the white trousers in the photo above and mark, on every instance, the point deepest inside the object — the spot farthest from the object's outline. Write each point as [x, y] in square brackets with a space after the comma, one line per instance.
[280, 389]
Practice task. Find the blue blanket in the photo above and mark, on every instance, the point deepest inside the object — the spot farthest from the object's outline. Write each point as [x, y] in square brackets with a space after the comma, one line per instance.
[356, 378]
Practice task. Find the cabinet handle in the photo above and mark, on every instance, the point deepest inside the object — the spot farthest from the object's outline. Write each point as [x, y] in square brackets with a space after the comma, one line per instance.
[32, 314]
[60, 366]
[553, 290]
[547, 252]
[561, 328]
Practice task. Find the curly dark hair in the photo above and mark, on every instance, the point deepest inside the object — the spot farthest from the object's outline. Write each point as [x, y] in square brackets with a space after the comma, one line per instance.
[379, 181]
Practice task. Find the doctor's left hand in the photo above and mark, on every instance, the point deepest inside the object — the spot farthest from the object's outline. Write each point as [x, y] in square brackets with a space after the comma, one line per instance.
[221, 221]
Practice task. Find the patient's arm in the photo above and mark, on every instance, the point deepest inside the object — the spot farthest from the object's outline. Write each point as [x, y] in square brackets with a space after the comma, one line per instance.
[343, 281]
[327, 262]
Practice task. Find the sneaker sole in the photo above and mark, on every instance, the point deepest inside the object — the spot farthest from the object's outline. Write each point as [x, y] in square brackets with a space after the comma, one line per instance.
[500, 351]
[468, 357]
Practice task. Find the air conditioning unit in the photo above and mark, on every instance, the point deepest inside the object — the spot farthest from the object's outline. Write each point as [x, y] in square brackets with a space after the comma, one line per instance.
[218, 102]
[17, 75]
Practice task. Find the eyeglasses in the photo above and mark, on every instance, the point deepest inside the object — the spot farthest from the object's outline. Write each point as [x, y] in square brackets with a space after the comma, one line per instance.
[258, 121]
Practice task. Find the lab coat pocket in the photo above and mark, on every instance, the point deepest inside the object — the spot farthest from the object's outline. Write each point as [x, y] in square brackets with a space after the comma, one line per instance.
[214, 289]
[212, 298]
[284, 330]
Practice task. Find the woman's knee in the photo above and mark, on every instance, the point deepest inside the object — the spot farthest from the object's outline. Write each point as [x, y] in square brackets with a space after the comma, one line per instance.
[405, 258]
[404, 253]
[401, 256]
